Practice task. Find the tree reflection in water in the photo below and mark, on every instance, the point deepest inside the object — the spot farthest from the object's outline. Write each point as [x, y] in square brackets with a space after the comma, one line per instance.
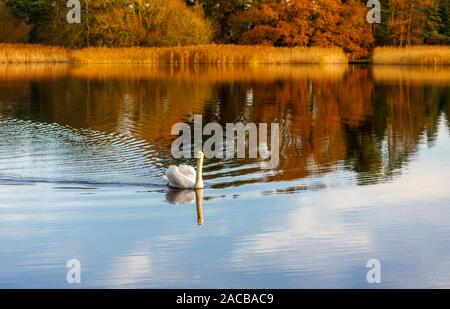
[368, 120]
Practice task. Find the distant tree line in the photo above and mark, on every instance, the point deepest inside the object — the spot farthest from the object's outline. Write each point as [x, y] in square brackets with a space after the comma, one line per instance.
[329, 23]
[324, 23]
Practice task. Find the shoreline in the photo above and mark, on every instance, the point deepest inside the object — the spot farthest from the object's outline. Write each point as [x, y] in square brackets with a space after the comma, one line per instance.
[219, 55]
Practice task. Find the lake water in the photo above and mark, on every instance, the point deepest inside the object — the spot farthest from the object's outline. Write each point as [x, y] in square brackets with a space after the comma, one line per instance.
[364, 174]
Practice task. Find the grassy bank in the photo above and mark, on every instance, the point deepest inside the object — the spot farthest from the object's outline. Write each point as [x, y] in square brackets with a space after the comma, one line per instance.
[422, 55]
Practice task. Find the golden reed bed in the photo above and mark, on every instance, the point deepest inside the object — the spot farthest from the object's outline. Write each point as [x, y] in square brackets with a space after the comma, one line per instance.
[28, 53]
[422, 55]
[217, 54]
[200, 54]
[210, 54]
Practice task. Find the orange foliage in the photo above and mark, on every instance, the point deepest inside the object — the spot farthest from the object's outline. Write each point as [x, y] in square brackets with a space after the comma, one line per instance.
[324, 23]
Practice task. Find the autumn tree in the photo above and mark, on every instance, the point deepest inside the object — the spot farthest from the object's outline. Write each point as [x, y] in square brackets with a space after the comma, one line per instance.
[342, 23]
[406, 17]
[410, 22]
[325, 23]
[149, 23]
[116, 23]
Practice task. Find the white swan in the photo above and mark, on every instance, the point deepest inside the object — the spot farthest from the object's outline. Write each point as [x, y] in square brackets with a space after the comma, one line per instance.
[185, 176]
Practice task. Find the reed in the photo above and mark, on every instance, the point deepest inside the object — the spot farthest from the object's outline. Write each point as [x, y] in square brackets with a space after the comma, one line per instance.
[421, 55]
[182, 55]
[216, 54]
[210, 54]
[30, 53]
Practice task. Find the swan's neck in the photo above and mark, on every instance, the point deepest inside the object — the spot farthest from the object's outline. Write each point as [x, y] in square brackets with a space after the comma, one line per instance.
[199, 178]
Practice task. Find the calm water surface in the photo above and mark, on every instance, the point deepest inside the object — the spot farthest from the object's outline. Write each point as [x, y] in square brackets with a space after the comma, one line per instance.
[364, 173]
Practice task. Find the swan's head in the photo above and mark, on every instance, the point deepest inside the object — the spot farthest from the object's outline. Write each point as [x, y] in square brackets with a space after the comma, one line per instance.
[200, 155]
[199, 179]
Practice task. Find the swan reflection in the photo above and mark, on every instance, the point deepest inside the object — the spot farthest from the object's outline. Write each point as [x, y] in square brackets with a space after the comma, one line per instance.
[187, 197]
[180, 197]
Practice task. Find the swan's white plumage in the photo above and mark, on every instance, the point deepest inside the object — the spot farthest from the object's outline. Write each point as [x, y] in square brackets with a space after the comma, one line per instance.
[182, 177]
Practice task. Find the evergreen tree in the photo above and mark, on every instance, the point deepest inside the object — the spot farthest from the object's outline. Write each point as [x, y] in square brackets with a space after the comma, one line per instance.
[382, 30]
[220, 12]
[444, 14]
[32, 12]
[432, 24]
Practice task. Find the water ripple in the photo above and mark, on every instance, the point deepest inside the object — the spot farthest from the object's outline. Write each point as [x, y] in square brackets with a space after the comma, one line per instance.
[31, 151]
